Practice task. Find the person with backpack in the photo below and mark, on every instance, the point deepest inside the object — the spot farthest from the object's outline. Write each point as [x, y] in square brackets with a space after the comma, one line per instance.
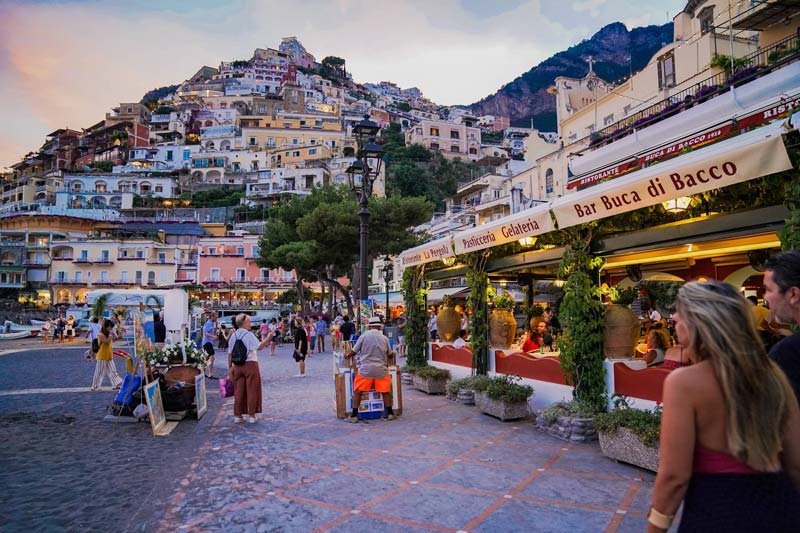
[244, 371]
[60, 325]
[93, 335]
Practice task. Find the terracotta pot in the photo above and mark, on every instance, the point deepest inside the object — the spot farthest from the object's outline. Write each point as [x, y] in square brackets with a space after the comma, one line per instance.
[620, 331]
[448, 324]
[502, 328]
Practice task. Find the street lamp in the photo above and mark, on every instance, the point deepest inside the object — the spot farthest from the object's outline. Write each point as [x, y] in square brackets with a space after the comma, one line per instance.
[362, 174]
[388, 269]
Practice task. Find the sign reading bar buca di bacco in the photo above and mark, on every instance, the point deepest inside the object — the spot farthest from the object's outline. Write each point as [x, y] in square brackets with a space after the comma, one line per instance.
[528, 223]
[432, 251]
[742, 158]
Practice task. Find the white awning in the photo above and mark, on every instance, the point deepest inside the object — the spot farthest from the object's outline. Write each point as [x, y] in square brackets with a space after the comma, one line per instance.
[426, 253]
[748, 156]
[436, 295]
[527, 223]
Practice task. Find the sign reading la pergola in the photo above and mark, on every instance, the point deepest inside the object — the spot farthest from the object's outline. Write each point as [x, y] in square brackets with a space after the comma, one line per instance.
[528, 223]
[742, 158]
[432, 251]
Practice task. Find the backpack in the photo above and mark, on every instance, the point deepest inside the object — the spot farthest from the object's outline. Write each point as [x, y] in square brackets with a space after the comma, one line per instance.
[238, 351]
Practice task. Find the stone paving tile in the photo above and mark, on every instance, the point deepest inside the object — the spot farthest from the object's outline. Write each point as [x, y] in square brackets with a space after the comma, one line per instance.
[378, 438]
[641, 502]
[482, 477]
[436, 447]
[402, 467]
[508, 454]
[527, 435]
[581, 490]
[271, 514]
[633, 524]
[364, 523]
[526, 517]
[471, 431]
[211, 498]
[343, 489]
[328, 455]
[322, 433]
[266, 476]
[592, 461]
[434, 506]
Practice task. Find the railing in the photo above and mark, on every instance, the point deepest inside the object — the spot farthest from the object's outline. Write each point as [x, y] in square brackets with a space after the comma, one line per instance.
[748, 68]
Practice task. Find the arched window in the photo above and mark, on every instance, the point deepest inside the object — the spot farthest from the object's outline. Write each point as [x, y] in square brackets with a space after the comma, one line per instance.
[548, 181]
[151, 278]
[100, 186]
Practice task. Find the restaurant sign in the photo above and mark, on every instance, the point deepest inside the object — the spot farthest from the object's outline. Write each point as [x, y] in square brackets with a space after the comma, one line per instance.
[432, 251]
[742, 158]
[696, 140]
[527, 223]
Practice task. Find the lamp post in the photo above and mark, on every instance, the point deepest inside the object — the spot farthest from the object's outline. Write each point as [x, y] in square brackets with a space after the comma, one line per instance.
[362, 174]
[388, 269]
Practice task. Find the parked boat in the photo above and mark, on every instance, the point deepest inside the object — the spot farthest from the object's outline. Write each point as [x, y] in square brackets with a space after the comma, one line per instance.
[15, 335]
[11, 327]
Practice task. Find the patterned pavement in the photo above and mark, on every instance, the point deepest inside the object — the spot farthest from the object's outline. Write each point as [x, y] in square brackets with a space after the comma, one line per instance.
[440, 467]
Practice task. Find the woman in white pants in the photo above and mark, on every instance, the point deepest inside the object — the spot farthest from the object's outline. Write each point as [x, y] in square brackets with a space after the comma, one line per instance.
[105, 355]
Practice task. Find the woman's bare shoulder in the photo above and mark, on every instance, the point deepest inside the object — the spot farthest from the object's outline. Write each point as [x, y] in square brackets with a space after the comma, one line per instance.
[699, 374]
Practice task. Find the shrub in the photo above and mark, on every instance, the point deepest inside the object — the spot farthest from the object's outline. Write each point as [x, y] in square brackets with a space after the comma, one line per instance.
[475, 383]
[574, 408]
[505, 389]
[644, 424]
[431, 372]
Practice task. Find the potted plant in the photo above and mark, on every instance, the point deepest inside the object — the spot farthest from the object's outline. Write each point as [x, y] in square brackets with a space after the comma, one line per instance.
[630, 435]
[502, 397]
[431, 380]
[571, 421]
[463, 390]
[448, 320]
[502, 324]
[621, 327]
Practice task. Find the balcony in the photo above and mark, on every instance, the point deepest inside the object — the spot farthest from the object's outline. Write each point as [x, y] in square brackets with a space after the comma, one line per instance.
[129, 258]
[102, 261]
[63, 259]
[12, 284]
[762, 15]
[159, 262]
[82, 261]
[35, 264]
[66, 281]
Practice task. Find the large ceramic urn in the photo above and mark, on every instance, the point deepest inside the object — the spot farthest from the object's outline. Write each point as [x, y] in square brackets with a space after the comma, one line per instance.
[620, 332]
[448, 323]
[502, 328]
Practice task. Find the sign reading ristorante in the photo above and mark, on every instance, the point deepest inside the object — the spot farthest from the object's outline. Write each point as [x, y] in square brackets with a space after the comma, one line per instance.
[432, 251]
[528, 223]
[742, 158]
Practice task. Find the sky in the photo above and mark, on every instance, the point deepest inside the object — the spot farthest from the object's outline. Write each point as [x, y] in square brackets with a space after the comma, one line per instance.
[65, 63]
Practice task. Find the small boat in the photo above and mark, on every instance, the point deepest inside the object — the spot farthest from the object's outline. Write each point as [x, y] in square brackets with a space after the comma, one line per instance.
[15, 335]
[37, 323]
[11, 327]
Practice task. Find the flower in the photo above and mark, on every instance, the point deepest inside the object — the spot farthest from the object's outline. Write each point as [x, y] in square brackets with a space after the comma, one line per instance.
[504, 300]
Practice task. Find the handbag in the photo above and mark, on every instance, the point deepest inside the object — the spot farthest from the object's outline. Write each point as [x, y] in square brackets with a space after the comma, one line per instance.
[225, 388]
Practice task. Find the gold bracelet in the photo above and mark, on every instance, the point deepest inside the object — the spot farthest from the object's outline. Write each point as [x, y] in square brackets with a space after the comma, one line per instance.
[660, 520]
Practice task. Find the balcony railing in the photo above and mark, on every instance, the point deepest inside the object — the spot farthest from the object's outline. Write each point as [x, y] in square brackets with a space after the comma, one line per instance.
[749, 67]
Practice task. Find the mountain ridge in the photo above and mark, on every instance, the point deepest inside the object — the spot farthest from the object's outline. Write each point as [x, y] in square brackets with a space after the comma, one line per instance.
[525, 98]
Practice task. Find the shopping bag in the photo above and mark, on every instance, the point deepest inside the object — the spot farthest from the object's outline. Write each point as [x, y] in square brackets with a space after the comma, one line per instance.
[225, 387]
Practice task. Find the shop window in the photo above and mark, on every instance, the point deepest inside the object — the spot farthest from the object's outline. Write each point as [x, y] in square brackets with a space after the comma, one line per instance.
[434, 132]
[666, 71]
[706, 19]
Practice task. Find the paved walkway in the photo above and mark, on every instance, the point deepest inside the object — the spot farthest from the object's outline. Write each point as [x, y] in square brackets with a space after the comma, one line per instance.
[440, 467]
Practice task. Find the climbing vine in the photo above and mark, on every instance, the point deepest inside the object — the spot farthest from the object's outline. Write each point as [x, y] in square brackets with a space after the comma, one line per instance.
[790, 233]
[581, 314]
[416, 318]
[478, 282]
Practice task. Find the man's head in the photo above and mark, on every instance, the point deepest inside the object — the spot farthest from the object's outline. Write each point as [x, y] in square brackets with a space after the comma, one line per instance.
[541, 328]
[782, 285]
[212, 316]
[375, 323]
[346, 318]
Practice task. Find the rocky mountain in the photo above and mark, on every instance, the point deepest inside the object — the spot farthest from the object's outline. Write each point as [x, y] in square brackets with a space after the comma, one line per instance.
[526, 97]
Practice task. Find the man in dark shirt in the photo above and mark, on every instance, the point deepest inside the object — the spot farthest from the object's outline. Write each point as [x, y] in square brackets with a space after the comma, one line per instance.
[782, 294]
[347, 329]
[160, 329]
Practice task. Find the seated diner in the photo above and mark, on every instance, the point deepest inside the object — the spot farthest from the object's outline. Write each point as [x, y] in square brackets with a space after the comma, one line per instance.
[656, 349]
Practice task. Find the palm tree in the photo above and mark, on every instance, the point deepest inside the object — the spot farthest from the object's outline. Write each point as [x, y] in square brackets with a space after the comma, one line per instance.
[100, 305]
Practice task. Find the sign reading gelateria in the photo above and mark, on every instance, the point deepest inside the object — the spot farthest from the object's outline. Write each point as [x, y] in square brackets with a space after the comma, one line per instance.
[748, 156]
[528, 223]
[431, 251]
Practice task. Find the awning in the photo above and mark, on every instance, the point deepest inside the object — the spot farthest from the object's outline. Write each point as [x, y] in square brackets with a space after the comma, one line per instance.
[395, 299]
[527, 223]
[746, 157]
[426, 253]
[436, 295]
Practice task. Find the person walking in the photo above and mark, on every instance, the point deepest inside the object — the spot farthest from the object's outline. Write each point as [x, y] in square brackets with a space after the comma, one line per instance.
[46, 330]
[730, 429]
[311, 334]
[272, 335]
[70, 328]
[263, 329]
[208, 342]
[321, 326]
[300, 347]
[222, 337]
[93, 336]
[105, 363]
[782, 285]
[246, 377]
[60, 325]
[372, 368]
[347, 330]
[432, 327]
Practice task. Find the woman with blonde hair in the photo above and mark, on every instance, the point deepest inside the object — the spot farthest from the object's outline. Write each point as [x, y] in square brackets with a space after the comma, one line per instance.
[105, 358]
[730, 431]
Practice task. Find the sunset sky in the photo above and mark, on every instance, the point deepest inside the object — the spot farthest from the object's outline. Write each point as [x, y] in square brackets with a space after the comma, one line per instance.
[66, 63]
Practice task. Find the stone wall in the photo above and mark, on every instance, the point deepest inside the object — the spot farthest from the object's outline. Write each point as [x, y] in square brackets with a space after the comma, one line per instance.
[572, 429]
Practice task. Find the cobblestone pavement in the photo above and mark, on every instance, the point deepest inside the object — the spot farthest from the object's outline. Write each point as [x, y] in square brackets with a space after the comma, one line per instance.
[440, 467]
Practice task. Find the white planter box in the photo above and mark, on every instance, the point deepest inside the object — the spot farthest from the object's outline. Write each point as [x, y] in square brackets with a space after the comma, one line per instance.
[502, 410]
[622, 445]
[430, 385]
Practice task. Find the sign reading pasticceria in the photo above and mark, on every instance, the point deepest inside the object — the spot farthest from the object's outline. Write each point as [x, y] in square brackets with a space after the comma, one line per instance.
[527, 223]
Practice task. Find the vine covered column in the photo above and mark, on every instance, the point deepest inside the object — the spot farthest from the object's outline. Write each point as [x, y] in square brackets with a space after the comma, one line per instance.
[416, 317]
[478, 282]
[581, 312]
